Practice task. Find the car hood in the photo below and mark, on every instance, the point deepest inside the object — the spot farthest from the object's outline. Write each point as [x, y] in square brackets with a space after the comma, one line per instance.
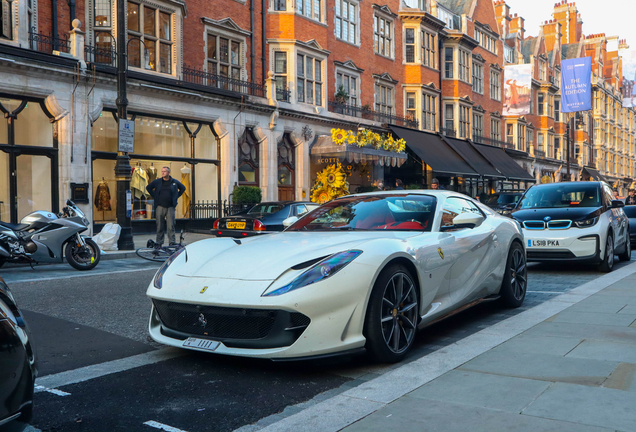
[267, 257]
[570, 213]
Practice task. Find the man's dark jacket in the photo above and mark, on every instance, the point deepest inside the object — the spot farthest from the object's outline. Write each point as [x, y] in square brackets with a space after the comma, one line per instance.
[176, 190]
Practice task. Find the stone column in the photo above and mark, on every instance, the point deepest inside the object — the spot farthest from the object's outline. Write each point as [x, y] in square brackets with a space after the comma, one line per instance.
[77, 43]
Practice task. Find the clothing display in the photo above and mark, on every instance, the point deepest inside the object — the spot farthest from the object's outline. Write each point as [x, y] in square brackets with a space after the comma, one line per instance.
[151, 171]
[138, 183]
[102, 196]
[187, 199]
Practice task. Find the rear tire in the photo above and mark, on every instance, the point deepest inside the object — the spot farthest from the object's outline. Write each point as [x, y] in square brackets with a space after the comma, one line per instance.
[607, 264]
[79, 262]
[627, 253]
[515, 280]
[153, 254]
[392, 315]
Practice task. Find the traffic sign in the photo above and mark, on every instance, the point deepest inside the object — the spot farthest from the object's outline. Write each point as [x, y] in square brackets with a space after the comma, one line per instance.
[126, 136]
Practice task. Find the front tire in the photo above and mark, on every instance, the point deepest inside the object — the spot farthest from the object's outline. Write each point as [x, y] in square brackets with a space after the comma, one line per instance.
[392, 315]
[627, 253]
[82, 260]
[515, 281]
[607, 264]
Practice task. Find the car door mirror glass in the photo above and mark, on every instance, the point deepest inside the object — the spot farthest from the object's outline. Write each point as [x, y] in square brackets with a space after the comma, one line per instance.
[468, 220]
[289, 221]
[617, 204]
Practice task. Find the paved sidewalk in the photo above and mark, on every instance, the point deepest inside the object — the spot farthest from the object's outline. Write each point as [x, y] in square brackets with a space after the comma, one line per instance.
[566, 365]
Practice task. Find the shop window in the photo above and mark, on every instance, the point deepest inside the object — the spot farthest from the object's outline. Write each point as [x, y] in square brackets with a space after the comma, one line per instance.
[429, 109]
[34, 184]
[478, 78]
[151, 39]
[383, 36]
[308, 79]
[346, 21]
[495, 129]
[464, 121]
[205, 146]
[309, 8]
[409, 45]
[448, 63]
[224, 59]
[428, 49]
[26, 133]
[495, 85]
[384, 98]
[349, 84]
[280, 75]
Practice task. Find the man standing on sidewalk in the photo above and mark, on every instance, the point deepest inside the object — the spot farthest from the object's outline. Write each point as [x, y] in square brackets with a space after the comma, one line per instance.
[165, 191]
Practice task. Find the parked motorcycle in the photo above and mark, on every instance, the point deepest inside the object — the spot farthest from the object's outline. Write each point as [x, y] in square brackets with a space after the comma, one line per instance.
[43, 236]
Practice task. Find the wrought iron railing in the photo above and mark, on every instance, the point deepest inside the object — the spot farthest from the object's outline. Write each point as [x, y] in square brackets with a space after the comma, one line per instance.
[201, 77]
[369, 114]
[492, 142]
[100, 55]
[449, 132]
[204, 213]
[48, 43]
[283, 94]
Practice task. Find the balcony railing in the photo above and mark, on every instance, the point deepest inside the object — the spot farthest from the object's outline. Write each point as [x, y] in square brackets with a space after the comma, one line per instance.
[492, 142]
[203, 78]
[103, 55]
[48, 43]
[449, 132]
[369, 114]
[539, 154]
[283, 94]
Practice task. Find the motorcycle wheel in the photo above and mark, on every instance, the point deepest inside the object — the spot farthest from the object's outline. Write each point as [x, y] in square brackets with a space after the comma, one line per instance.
[80, 260]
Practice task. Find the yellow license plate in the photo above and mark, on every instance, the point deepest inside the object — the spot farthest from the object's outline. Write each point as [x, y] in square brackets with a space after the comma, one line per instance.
[236, 225]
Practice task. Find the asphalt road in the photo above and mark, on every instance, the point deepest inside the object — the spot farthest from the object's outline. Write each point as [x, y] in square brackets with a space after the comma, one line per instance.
[80, 320]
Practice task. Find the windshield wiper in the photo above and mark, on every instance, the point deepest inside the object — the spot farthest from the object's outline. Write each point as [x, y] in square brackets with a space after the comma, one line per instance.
[342, 228]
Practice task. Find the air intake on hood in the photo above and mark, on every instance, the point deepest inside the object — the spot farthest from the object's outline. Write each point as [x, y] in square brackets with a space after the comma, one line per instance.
[309, 263]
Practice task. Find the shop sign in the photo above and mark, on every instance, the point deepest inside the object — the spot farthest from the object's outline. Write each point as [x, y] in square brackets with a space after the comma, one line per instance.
[127, 136]
[326, 160]
[546, 179]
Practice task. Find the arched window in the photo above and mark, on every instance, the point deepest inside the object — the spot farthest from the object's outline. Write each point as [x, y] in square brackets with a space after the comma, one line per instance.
[248, 159]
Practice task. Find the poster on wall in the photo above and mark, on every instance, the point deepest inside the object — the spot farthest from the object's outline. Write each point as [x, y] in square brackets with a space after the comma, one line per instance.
[576, 84]
[629, 92]
[517, 89]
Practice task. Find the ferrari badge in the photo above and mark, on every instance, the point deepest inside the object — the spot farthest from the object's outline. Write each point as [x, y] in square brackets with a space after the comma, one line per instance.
[440, 252]
[203, 290]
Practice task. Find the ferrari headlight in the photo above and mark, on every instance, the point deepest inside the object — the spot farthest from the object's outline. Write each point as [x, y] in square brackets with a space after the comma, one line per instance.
[158, 281]
[320, 271]
[586, 223]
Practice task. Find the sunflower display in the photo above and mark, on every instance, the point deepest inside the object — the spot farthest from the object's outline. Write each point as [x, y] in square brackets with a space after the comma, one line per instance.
[338, 136]
[366, 137]
[330, 184]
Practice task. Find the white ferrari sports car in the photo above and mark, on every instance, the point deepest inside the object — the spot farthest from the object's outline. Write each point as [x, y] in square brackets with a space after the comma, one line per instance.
[360, 272]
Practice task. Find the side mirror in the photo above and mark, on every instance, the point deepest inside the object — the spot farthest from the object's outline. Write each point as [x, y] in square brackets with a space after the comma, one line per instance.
[617, 204]
[468, 220]
[290, 221]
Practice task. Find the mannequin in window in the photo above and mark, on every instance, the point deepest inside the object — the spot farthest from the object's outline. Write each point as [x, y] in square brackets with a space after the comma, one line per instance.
[152, 173]
[187, 199]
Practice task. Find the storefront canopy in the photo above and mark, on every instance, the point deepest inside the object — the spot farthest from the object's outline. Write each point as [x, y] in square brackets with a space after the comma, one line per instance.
[504, 163]
[325, 147]
[434, 152]
[594, 174]
[468, 152]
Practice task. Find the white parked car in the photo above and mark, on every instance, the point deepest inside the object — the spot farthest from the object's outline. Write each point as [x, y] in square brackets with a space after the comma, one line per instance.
[362, 271]
[574, 221]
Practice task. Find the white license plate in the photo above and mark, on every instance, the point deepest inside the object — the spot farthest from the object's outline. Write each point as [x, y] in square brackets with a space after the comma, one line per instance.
[205, 344]
[543, 243]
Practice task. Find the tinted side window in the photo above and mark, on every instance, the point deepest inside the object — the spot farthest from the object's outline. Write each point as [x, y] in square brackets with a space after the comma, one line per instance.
[300, 209]
[456, 206]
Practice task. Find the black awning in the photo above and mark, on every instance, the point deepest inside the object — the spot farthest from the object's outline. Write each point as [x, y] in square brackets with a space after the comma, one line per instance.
[592, 172]
[504, 163]
[434, 152]
[480, 164]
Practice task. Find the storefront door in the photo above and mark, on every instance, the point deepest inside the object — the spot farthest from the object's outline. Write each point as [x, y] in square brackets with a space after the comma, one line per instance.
[286, 165]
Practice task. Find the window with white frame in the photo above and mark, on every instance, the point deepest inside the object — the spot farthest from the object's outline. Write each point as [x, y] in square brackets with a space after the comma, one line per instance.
[495, 129]
[529, 138]
[384, 98]
[478, 78]
[495, 85]
[542, 70]
[541, 103]
[308, 79]
[150, 38]
[557, 110]
[557, 78]
[346, 20]
[449, 117]
[540, 143]
[464, 121]
[486, 41]
[409, 45]
[549, 150]
[448, 62]
[102, 32]
[349, 84]
[428, 49]
[550, 105]
[7, 19]
[464, 66]
[478, 125]
[410, 105]
[382, 36]
[309, 8]
[429, 110]
[224, 57]
[509, 54]
[521, 137]
[280, 5]
[280, 75]
[510, 136]
[452, 21]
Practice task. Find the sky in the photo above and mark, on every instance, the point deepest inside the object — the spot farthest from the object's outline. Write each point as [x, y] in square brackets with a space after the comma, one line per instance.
[612, 17]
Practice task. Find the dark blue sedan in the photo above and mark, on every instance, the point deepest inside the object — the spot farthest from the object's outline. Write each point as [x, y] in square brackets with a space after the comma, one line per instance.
[263, 218]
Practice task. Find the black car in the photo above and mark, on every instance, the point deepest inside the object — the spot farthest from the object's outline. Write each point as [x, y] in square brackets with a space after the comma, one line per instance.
[503, 202]
[630, 212]
[17, 365]
[260, 219]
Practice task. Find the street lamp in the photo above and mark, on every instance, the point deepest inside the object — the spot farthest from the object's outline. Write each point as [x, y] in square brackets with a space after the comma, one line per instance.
[579, 123]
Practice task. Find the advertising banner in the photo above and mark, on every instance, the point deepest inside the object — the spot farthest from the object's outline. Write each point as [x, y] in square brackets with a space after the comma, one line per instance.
[629, 92]
[517, 89]
[576, 85]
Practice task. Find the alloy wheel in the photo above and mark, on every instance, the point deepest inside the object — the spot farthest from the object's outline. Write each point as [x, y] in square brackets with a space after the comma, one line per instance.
[518, 274]
[399, 312]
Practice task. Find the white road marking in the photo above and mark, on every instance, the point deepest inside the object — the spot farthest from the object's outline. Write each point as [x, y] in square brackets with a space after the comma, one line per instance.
[7, 277]
[95, 371]
[162, 426]
[39, 388]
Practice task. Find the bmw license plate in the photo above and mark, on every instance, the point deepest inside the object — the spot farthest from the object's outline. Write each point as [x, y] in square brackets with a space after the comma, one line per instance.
[543, 243]
[204, 344]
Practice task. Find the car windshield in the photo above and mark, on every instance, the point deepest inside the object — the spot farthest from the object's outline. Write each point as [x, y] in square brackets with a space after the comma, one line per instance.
[503, 199]
[562, 195]
[265, 208]
[403, 212]
[630, 211]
